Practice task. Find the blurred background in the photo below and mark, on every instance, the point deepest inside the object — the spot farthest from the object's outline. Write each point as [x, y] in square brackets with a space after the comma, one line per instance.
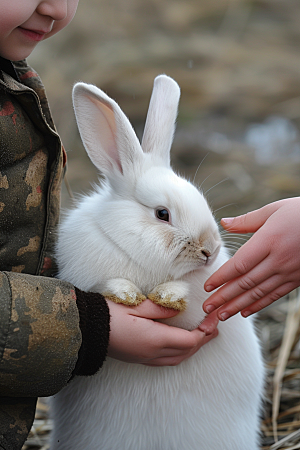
[238, 65]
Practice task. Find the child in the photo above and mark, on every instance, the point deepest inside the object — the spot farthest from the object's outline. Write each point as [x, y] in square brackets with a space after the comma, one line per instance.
[49, 330]
[264, 269]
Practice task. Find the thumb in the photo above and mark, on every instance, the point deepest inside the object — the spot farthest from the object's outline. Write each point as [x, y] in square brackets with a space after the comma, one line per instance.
[149, 310]
[250, 222]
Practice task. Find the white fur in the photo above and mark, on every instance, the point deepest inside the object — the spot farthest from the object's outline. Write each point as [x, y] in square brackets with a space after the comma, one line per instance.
[114, 242]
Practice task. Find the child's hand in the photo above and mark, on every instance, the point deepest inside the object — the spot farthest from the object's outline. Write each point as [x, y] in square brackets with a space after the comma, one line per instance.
[265, 268]
[135, 337]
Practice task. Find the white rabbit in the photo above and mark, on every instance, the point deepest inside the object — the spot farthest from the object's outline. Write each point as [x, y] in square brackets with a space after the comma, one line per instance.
[148, 232]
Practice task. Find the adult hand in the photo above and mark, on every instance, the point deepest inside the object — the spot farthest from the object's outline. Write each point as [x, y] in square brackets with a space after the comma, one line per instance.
[265, 268]
[136, 337]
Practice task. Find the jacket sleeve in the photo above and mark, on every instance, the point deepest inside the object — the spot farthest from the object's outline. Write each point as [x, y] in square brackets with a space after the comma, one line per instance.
[39, 334]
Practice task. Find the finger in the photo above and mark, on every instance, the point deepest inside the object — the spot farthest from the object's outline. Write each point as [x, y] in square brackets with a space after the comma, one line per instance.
[182, 342]
[202, 338]
[269, 299]
[252, 252]
[252, 221]
[264, 272]
[177, 359]
[150, 310]
[246, 258]
[210, 323]
[250, 297]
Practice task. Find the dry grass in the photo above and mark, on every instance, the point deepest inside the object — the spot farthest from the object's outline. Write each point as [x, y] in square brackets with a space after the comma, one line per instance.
[39, 435]
[279, 330]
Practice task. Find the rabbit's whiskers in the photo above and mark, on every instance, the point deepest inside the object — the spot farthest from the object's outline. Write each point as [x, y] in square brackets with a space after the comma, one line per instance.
[199, 167]
[217, 184]
[225, 206]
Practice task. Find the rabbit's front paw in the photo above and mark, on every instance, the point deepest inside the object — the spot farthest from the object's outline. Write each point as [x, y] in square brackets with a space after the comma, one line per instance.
[123, 291]
[170, 295]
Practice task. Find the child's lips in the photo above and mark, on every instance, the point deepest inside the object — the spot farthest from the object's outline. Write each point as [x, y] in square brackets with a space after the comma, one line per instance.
[35, 35]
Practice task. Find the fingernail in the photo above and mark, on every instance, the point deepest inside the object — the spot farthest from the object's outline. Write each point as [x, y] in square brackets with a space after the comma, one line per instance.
[227, 220]
[205, 330]
[209, 288]
[224, 316]
[209, 308]
[246, 313]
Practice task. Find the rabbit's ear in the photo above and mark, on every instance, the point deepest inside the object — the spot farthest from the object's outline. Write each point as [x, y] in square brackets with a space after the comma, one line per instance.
[161, 118]
[106, 133]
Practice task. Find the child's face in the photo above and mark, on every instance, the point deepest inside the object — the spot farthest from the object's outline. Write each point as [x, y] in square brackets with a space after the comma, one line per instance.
[24, 23]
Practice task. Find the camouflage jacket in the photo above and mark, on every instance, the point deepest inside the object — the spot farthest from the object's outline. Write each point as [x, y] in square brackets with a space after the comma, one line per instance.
[39, 320]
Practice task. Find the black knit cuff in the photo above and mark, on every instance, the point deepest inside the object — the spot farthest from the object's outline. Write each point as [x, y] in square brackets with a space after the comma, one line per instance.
[94, 327]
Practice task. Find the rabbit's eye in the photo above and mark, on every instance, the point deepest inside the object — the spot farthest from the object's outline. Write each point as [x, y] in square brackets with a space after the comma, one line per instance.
[162, 214]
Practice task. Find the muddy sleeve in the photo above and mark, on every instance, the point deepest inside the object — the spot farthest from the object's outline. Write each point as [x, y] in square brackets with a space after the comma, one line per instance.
[40, 336]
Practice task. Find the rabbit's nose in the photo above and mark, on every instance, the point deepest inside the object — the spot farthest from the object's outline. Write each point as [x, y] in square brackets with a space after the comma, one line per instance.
[206, 253]
[212, 254]
[209, 249]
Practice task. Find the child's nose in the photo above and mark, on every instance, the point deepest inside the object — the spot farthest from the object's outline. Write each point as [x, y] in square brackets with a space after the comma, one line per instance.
[56, 9]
